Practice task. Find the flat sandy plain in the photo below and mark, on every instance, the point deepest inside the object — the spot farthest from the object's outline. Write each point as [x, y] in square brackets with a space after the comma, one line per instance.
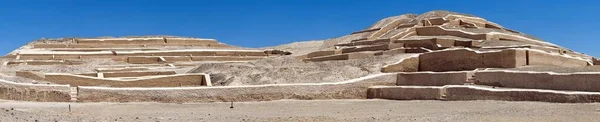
[295, 110]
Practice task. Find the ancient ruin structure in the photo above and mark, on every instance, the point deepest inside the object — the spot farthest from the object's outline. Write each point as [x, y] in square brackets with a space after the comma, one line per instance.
[444, 56]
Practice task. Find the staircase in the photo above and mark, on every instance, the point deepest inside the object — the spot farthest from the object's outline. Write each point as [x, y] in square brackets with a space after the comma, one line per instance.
[73, 94]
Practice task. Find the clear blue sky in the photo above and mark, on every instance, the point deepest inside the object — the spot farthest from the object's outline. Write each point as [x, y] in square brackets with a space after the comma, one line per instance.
[258, 23]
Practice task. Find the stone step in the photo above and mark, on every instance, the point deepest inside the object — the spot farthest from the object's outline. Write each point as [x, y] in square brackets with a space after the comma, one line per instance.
[475, 92]
[73, 93]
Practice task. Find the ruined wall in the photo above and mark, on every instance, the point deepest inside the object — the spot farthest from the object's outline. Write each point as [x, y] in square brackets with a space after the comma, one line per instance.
[434, 43]
[367, 42]
[437, 21]
[353, 89]
[541, 58]
[50, 45]
[124, 54]
[433, 78]
[149, 81]
[122, 41]
[455, 60]
[439, 31]
[45, 62]
[540, 80]
[481, 93]
[157, 59]
[173, 59]
[226, 58]
[471, 92]
[410, 64]
[405, 92]
[347, 56]
[505, 59]
[34, 92]
[402, 51]
[466, 59]
[373, 48]
[143, 60]
[191, 41]
[108, 45]
[130, 74]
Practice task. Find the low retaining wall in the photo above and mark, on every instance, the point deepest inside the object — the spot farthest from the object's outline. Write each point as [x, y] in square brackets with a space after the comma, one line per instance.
[130, 74]
[439, 31]
[122, 41]
[122, 45]
[144, 60]
[191, 41]
[353, 89]
[373, 48]
[148, 81]
[463, 59]
[50, 45]
[484, 93]
[34, 92]
[173, 59]
[44, 62]
[366, 42]
[437, 43]
[137, 68]
[402, 50]
[433, 78]
[49, 55]
[540, 80]
[405, 92]
[471, 92]
[226, 58]
[542, 58]
[454, 60]
[157, 59]
[467, 59]
[434, 44]
[347, 56]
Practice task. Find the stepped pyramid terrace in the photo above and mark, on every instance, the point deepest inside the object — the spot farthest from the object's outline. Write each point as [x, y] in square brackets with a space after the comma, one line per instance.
[437, 55]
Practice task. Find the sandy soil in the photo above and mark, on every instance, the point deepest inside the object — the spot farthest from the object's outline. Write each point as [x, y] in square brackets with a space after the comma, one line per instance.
[285, 70]
[299, 48]
[291, 110]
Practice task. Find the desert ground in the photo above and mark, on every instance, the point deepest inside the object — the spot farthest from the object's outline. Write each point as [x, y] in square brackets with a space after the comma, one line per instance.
[295, 110]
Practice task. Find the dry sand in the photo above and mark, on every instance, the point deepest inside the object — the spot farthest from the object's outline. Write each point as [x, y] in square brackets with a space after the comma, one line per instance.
[284, 70]
[299, 48]
[292, 110]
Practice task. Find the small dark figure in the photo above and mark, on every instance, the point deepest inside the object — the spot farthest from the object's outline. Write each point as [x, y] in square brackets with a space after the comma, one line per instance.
[231, 105]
